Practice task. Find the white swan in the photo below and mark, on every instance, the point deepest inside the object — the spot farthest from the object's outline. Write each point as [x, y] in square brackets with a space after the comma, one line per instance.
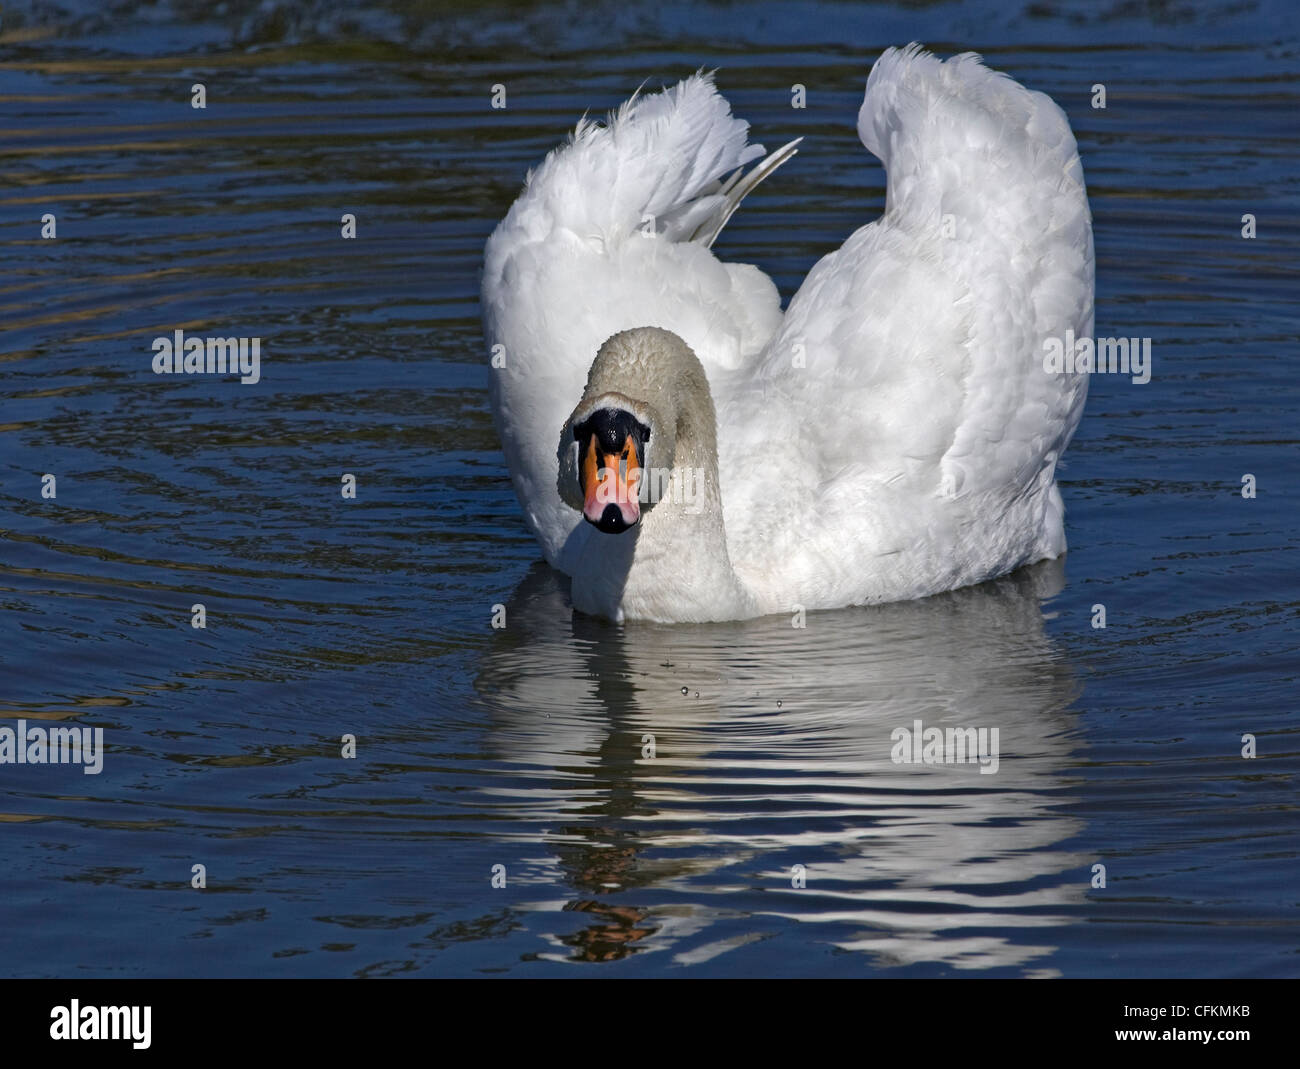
[894, 434]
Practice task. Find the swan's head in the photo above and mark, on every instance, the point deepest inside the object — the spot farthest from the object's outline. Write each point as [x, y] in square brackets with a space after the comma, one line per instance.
[603, 461]
[646, 394]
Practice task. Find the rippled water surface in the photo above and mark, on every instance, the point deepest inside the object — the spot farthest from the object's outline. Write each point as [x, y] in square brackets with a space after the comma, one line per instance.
[523, 747]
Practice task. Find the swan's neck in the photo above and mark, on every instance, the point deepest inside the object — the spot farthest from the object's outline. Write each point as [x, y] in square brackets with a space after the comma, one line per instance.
[674, 565]
[682, 569]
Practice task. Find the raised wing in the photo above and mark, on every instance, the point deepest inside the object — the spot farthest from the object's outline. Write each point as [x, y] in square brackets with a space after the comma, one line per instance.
[611, 232]
[909, 365]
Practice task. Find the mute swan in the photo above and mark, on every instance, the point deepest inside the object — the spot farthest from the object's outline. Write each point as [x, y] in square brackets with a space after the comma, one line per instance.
[894, 434]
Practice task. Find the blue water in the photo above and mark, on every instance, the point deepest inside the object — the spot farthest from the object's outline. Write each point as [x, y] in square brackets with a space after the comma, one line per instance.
[522, 747]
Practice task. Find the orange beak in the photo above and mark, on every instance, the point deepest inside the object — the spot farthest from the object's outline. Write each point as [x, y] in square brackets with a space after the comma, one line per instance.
[611, 483]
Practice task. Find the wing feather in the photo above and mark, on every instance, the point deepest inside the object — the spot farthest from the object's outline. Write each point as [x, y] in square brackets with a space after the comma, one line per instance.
[612, 232]
[909, 366]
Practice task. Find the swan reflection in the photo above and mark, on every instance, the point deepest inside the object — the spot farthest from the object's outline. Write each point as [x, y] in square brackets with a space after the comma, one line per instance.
[661, 766]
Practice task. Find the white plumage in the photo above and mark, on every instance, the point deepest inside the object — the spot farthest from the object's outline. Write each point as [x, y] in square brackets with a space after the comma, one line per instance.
[894, 433]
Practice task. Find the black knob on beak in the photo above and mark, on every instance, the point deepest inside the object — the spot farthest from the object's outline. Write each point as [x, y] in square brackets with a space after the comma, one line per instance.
[611, 521]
